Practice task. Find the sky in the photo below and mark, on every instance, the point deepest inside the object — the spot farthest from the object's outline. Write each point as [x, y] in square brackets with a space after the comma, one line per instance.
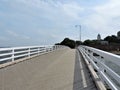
[46, 22]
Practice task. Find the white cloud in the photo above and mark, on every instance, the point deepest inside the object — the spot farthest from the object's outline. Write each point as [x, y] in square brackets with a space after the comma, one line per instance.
[96, 22]
[16, 35]
[72, 9]
[105, 18]
[52, 7]
[110, 9]
[25, 37]
[12, 33]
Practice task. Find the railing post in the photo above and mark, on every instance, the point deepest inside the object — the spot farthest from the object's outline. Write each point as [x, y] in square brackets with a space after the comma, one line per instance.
[28, 52]
[13, 56]
[38, 50]
[45, 49]
[102, 61]
[91, 55]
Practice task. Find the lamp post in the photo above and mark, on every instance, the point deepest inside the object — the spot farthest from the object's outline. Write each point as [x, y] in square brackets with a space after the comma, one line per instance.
[79, 30]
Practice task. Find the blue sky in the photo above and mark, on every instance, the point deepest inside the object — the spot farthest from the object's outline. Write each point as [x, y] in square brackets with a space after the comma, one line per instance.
[41, 22]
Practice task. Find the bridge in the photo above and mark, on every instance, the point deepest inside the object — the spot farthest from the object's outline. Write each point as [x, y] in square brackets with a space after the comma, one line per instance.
[58, 68]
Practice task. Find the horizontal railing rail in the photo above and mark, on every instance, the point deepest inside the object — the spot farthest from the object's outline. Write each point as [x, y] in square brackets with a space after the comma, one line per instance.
[100, 61]
[15, 53]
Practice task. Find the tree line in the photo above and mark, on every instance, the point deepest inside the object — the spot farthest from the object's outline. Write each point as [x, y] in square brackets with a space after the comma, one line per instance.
[72, 43]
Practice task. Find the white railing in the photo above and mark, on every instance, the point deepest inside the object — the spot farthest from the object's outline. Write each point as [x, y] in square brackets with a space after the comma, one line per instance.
[15, 53]
[100, 61]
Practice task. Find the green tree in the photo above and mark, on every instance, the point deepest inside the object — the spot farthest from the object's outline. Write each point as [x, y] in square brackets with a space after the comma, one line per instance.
[112, 38]
[91, 42]
[87, 42]
[78, 43]
[68, 42]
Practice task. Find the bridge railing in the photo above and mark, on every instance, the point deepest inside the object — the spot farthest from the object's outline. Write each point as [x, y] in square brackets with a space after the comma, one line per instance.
[15, 53]
[105, 64]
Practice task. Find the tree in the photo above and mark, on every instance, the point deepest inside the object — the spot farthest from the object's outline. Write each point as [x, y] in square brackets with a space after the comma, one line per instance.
[68, 42]
[91, 42]
[112, 38]
[78, 43]
[87, 42]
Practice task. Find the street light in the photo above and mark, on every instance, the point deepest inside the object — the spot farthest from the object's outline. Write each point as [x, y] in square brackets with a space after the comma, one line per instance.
[80, 30]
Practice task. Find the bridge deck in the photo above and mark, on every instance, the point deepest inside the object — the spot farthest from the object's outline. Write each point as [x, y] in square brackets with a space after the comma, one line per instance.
[59, 70]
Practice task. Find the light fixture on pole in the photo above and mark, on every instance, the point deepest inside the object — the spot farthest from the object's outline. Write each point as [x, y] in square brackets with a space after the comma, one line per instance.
[80, 30]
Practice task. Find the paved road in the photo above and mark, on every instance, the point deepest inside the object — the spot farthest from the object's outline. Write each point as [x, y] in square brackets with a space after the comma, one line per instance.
[59, 70]
[82, 78]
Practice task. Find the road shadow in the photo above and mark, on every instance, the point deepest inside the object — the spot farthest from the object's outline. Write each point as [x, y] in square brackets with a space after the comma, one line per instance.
[77, 75]
[78, 83]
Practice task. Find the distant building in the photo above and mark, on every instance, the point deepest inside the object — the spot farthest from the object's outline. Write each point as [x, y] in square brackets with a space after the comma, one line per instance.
[102, 42]
[118, 35]
[99, 37]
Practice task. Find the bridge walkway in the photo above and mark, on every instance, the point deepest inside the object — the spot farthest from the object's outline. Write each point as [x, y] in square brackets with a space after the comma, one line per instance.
[58, 70]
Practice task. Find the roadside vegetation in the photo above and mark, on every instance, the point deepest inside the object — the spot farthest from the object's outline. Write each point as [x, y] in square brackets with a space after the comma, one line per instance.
[113, 43]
